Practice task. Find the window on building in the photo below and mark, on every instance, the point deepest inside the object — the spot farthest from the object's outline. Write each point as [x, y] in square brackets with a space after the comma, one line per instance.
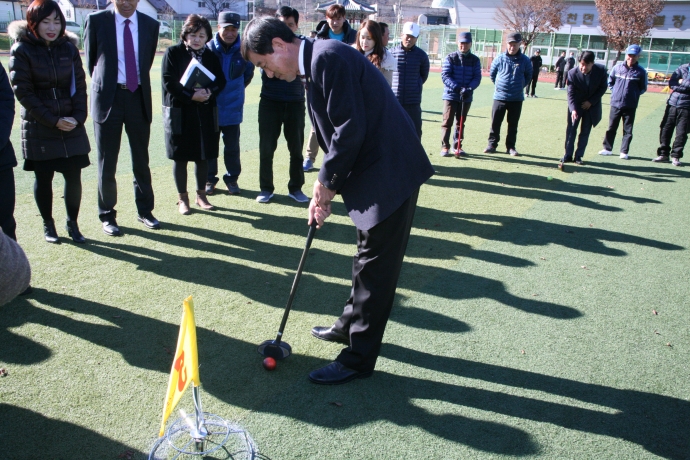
[662, 44]
[201, 4]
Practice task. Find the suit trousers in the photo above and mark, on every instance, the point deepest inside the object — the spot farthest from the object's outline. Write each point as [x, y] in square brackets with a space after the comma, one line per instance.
[677, 118]
[127, 111]
[535, 78]
[498, 112]
[585, 124]
[7, 201]
[312, 146]
[451, 116]
[375, 272]
[273, 115]
[615, 115]
[559, 79]
[231, 157]
[415, 112]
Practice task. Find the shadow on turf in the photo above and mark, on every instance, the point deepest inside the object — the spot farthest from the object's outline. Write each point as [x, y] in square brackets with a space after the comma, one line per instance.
[523, 185]
[28, 434]
[529, 232]
[272, 288]
[231, 372]
[652, 421]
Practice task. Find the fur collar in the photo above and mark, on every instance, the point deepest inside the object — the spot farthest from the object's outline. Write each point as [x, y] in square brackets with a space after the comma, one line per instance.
[19, 31]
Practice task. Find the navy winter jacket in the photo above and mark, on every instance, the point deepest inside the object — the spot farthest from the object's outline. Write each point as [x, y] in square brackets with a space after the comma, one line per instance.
[411, 73]
[238, 74]
[627, 84]
[680, 97]
[510, 74]
[460, 71]
[7, 158]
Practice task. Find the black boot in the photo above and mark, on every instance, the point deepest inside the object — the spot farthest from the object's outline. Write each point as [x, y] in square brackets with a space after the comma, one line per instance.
[73, 231]
[50, 232]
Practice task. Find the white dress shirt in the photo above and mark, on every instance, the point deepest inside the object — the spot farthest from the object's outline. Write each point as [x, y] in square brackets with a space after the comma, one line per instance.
[119, 32]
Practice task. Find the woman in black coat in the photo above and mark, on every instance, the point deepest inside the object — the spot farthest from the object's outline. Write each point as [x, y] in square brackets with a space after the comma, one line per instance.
[48, 80]
[190, 116]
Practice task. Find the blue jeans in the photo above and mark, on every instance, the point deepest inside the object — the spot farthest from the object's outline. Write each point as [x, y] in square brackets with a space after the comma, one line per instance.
[231, 156]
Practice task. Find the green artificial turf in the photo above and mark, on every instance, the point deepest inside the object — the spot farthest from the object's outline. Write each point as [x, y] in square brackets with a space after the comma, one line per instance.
[523, 325]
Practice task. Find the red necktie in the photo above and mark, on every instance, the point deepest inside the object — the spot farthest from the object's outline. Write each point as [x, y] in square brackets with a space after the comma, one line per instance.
[130, 59]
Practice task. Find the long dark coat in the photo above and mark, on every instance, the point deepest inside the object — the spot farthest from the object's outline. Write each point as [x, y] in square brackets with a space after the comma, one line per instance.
[191, 128]
[41, 77]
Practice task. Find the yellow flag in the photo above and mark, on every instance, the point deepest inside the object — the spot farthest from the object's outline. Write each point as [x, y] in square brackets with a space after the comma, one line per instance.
[185, 368]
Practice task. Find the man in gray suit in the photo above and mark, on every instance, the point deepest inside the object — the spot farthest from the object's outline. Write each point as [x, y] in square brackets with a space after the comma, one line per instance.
[372, 156]
[120, 45]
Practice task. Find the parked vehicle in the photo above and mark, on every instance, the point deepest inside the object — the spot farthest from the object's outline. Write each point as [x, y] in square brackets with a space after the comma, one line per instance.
[164, 30]
[73, 27]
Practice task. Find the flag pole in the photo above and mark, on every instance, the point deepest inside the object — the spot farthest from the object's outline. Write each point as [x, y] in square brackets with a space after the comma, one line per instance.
[199, 433]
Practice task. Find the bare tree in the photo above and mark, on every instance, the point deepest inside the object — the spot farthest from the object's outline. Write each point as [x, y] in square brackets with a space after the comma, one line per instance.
[216, 6]
[531, 17]
[624, 23]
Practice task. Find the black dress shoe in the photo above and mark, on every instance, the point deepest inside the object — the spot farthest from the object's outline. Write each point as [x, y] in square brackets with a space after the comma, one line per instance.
[110, 227]
[149, 221]
[74, 233]
[335, 374]
[330, 334]
[49, 231]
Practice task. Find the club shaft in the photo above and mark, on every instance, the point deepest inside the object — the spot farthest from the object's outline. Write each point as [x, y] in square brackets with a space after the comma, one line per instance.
[298, 275]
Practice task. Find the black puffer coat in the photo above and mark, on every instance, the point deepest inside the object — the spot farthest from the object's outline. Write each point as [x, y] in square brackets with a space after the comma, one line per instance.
[191, 128]
[42, 77]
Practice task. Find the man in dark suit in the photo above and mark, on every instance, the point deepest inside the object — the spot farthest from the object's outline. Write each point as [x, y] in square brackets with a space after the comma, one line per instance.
[120, 45]
[373, 157]
[586, 85]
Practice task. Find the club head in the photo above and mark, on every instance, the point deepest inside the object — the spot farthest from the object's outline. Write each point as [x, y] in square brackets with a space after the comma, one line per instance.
[275, 350]
[561, 166]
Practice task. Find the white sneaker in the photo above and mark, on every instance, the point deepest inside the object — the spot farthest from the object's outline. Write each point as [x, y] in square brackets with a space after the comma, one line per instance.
[605, 152]
[624, 156]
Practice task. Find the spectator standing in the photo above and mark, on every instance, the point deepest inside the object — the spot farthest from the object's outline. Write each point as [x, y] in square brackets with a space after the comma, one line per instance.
[334, 27]
[281, 104]
[560, 70]
[627, 81]
[369, 43]
[510, 72]
[586, 86]
[49, 82]
[536, 68]
[411, 73]
[238, 74]
[189, 115]
[376, 162]
[569, 65]
[461, 74]
[120, 45]
[676, 116]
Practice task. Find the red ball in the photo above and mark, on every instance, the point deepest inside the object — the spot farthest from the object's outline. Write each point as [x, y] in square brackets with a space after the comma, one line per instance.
[269, 364]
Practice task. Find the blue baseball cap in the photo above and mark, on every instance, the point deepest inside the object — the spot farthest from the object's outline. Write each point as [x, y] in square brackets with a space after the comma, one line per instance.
[634, 50]
[465, 37]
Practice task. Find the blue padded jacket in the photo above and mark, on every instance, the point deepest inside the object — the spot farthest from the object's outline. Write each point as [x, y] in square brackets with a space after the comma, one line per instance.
[238, 74]
[510, 74]
[627, 84]
[460, 71]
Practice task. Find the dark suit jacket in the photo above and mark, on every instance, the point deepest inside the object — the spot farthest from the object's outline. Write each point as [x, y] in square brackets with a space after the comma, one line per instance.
[100, 48]
[579, 91]
[372, 154]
